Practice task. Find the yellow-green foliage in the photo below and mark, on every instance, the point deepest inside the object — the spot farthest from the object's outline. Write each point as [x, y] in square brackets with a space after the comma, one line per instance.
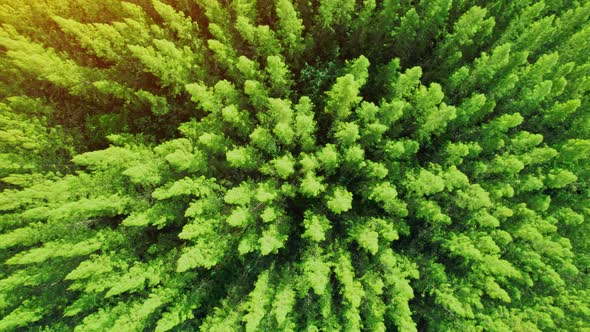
[280, 165]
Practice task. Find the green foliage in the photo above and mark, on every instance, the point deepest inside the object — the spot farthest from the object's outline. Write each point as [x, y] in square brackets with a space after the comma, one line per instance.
[285, 165]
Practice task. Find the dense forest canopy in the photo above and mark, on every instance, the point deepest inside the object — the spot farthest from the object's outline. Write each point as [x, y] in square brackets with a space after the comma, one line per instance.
[290, 165]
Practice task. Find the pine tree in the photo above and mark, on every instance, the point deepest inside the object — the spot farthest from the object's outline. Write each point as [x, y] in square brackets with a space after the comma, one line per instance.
[286, 165]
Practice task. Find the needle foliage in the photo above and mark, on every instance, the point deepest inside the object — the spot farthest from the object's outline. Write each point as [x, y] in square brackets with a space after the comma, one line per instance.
[289, 165]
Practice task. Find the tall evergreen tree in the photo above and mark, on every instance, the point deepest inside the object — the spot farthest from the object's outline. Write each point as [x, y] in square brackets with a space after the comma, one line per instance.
[289, 165]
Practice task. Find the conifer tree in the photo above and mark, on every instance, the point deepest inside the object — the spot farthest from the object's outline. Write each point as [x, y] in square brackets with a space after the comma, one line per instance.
[294, 166]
